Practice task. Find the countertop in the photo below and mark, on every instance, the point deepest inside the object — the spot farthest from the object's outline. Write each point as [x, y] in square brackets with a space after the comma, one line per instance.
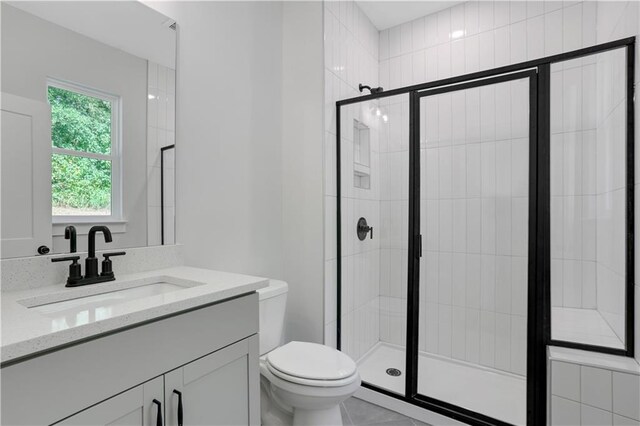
[28, 331]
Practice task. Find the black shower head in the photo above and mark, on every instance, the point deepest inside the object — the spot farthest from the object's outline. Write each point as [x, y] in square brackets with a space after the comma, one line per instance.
[362, 87]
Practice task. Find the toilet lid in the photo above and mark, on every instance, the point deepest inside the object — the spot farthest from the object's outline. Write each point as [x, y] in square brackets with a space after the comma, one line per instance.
[311, 361]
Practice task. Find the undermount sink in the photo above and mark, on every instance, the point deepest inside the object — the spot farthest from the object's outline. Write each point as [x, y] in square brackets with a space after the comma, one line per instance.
[105, 300]
[94, 303]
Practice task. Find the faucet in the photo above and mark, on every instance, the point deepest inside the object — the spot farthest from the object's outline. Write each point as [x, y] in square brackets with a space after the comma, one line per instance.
[70, 234]
[91, 262]
[75, 278]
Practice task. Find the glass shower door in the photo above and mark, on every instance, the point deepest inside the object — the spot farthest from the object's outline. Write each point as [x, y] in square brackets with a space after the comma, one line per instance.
[473, 142]
[372, 238]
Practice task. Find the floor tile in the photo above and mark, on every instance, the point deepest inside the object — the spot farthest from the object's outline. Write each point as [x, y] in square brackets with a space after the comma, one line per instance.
[361, 413]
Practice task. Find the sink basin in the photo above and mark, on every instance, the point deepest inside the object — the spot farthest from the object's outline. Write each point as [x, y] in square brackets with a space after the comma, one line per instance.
[82, 305]
[105, 300]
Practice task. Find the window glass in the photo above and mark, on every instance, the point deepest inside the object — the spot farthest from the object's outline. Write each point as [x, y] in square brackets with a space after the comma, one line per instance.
[83, 155]
[80, 122]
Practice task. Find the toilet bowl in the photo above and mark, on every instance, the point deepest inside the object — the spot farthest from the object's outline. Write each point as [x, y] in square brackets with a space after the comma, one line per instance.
[301, 383]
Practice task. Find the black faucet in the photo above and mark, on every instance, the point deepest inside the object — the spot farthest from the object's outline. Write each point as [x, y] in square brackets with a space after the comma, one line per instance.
[70, 234]
[75, 278]
[91, 262]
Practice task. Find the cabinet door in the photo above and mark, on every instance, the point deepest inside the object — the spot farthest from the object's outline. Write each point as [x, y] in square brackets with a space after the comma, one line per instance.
[219, 389]
[26, 176]
[134, 407]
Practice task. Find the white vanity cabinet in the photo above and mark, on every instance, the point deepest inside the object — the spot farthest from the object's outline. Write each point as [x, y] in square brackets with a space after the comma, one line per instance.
[216, 389]
[209, 354]
[135, 407]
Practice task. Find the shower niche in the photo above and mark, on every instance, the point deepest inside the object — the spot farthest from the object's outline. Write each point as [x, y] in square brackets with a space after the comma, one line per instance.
[361, 155]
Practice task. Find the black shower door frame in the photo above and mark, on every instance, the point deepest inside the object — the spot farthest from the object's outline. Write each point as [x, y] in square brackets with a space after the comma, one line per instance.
[415, 246]
[539, 276]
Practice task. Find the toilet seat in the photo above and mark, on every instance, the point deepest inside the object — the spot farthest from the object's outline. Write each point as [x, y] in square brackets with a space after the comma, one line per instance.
[312, 364]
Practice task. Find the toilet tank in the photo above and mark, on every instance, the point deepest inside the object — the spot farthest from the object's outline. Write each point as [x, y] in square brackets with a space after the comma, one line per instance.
[273, 301]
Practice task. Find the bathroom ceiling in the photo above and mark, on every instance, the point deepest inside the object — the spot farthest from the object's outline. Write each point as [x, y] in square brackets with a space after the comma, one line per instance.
[387, 14]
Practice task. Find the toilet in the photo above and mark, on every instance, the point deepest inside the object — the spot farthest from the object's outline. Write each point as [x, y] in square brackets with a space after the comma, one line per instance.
[301, 383]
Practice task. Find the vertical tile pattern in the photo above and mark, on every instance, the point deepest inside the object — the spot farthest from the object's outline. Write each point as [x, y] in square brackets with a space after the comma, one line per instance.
[160, 132]
[481, 35]
[352, 48]
[550, 27]
[588, 172]
[474, 215]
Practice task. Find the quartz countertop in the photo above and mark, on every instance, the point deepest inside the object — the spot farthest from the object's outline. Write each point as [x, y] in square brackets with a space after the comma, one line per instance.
[32, 325]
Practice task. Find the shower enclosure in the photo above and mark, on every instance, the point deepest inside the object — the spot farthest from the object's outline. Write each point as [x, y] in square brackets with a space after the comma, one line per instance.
[501, 208]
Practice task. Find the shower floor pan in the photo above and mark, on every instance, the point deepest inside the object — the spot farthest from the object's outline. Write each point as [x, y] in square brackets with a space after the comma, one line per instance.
[490, 392]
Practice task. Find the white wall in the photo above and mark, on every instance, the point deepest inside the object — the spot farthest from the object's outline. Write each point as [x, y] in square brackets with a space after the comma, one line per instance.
[302, 150]
[34, 49]
[229, 132]
[249, 131]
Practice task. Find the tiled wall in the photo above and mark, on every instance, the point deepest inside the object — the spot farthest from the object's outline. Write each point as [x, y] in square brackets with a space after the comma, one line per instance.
[587, 186]
[611, 176]
[493, 34]
[351, 57]
[161, 115]
[588, 395]
[481, 35]
[394, 218]
[474, 211]
[573, 184]
[360, 259]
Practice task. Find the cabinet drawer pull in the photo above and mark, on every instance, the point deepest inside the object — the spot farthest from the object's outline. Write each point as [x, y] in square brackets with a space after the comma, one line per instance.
[177, 392]
[159, 415]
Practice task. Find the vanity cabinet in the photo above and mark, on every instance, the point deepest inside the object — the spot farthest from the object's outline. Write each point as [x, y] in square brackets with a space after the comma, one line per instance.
[134, 407]
[213, 390]
[209, 354]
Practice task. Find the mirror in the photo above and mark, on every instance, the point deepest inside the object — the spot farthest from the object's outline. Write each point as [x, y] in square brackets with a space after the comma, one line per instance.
[88, 125]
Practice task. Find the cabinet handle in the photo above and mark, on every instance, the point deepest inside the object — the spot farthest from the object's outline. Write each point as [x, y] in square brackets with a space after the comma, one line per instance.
[177, 392]
[159, 415]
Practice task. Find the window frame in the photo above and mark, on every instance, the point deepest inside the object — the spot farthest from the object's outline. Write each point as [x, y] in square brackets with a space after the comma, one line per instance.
[115, 156]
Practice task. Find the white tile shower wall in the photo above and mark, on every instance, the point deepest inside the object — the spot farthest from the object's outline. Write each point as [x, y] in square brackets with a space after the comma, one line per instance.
[394, 193]
[589, 395]
[474, 213]
[351, 57]
[160, 132]
[573, 184]
[481, 35]
[615, 20]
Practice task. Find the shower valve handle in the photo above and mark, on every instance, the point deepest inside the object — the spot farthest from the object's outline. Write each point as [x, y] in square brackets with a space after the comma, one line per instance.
[363, 229]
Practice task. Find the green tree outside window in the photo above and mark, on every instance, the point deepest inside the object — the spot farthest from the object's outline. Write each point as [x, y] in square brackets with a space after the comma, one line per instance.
[81, 123]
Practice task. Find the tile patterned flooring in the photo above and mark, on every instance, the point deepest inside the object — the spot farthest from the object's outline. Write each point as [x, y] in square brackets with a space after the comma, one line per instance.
[356, 412]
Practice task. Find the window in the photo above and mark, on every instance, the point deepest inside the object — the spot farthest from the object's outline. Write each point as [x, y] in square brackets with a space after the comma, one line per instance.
[85, 162]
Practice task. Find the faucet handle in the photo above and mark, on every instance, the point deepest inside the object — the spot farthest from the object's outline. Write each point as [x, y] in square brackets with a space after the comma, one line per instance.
[113, 253]
[107, 266]
[75, 269]
[66, 258]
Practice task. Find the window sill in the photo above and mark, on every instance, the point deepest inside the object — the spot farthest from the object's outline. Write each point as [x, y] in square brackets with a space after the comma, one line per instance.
[82, 228]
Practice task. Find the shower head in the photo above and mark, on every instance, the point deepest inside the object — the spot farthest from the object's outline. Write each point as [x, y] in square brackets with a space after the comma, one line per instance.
[372, 90]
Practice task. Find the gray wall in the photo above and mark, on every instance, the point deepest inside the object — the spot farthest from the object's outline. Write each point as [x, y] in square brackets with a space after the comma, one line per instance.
[34, 49]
